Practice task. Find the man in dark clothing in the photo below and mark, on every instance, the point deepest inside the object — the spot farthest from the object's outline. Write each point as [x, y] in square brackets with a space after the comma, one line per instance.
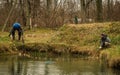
[16, 26]
[76, 20]
[105, 41]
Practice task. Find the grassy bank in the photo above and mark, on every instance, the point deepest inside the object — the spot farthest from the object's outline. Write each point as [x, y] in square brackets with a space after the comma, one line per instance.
[80, 39]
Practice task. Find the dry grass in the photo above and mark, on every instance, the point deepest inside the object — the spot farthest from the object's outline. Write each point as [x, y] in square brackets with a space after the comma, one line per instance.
[115, 62]
[91, 25]
[81, 34]
[7, 49]
[38, 37]
[44, 35]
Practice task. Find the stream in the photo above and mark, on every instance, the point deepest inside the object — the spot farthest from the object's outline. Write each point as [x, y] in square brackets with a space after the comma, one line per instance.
[20, 65]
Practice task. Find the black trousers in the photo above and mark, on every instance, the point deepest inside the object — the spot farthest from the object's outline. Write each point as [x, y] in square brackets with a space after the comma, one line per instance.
[103, 44]
[19, 33]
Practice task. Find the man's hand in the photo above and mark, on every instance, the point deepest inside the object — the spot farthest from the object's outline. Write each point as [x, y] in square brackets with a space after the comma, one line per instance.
[100, 47]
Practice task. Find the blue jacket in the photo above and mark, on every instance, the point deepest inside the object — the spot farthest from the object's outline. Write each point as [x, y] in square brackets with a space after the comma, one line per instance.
[16, 26]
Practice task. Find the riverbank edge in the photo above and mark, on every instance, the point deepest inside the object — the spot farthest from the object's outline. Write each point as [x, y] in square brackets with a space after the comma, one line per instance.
[59, 50]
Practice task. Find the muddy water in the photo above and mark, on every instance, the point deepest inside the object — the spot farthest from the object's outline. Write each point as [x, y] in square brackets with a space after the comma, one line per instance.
[16, 65]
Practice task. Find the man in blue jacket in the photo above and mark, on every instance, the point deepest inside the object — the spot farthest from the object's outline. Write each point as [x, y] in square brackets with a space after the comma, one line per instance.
[16, 27]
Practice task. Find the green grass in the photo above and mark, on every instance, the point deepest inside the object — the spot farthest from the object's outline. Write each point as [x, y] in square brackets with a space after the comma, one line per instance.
[4, 37]
[80, 35]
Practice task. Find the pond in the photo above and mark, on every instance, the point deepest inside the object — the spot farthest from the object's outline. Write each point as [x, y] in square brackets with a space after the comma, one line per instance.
[19, 65]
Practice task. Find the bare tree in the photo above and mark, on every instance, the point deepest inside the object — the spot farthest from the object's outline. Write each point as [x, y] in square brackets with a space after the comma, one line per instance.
[9, 14]
[52, 13]
[99, 10]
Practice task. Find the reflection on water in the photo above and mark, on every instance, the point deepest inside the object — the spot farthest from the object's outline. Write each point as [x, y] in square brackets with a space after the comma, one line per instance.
[14, 65]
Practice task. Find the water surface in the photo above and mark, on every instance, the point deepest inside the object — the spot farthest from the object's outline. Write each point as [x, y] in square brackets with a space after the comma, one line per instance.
[16, 65]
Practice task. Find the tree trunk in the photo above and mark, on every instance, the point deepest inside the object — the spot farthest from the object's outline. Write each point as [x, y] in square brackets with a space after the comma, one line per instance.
[108, 10]
[55, 3]
[99, 10]
[6, 21]
[28, 13]
[83, 11]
